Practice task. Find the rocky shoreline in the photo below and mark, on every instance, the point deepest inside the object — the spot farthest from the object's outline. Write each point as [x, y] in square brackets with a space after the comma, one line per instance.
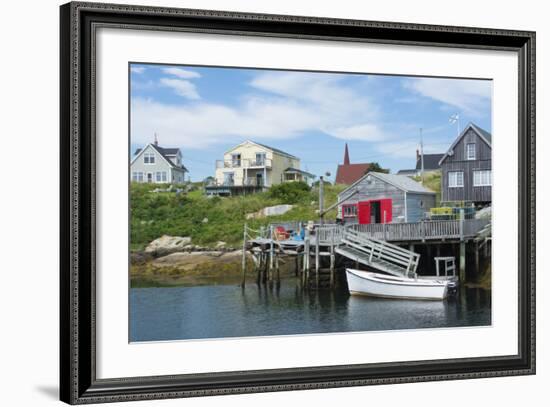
[174, 260]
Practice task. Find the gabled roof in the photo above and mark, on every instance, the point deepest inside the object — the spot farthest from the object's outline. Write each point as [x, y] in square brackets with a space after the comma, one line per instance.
[275, 150]
[483, 134]
[431, 162]
[401, 182]
[165, 153]
[349, 173]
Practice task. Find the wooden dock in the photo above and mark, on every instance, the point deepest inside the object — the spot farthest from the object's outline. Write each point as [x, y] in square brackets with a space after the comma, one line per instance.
[325, 247]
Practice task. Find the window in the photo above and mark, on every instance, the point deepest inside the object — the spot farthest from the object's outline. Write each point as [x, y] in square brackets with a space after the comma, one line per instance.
[349, 211]
[235, 160]
[134, 176]
[228, 178]
[456, 179]
[160, 176]
[137, 176]
[149, 158]
[260, 159]
[471, 151]
[482, 178]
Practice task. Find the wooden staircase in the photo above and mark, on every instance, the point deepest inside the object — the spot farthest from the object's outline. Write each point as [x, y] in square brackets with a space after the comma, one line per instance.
[380, 255]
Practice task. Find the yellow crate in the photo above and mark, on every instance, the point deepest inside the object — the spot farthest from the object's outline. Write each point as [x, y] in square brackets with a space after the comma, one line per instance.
[441, 211]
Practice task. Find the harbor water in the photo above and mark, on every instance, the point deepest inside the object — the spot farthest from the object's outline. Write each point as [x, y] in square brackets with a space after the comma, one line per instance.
[223, 311]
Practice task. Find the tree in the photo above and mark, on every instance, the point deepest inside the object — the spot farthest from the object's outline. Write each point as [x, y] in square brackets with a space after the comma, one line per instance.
[376, 168]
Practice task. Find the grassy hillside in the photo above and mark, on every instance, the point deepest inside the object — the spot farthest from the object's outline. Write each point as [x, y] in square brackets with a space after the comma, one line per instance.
[155, 214]
[432, 180]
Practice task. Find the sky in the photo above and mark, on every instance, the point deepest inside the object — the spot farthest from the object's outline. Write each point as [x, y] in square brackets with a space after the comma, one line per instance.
[207, 110]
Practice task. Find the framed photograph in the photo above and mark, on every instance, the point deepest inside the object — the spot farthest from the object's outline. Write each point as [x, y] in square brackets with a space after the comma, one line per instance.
[254, 203]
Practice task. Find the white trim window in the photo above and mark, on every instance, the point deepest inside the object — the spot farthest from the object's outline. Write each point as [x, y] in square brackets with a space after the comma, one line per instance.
[471, 151]
[137, 176]
[148, 158]
[456, 179]
[349, 210]
[160, 176]
[483, 178]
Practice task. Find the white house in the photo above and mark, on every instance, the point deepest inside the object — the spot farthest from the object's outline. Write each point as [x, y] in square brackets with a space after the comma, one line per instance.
[253, 167]
[155, 164]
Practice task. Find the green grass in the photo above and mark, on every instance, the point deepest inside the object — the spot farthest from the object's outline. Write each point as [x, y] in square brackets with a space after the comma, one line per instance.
[432, 180]
[165, 213]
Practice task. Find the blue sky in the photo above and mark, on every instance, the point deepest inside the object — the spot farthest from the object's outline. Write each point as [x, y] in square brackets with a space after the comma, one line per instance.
[207, 110]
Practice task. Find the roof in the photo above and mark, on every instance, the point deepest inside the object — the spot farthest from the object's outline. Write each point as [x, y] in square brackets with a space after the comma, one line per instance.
[483, 134]
[307, 174]
[349, 173]
[401, 182]
[165, 153]
[431, 161]
[407, 172]
[275, 150]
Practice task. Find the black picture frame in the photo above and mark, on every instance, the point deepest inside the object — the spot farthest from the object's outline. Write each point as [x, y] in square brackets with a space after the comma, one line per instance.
[78, 382]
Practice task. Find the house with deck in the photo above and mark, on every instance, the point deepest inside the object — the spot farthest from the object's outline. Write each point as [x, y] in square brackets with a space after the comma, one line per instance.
[466, 174]
[253, 167]
[155, 164]
[384, 198]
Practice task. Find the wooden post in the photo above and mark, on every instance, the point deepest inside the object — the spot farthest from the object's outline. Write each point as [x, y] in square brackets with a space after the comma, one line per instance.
[244, 258]
[332, 261]
[306, 262]
[277, 268]
[462, 260]
[271, 253]
[317, 259]
[462, 265]
[385, 227]
[260, 267]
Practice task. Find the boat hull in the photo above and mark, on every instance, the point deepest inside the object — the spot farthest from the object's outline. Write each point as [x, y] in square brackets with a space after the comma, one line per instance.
[380, 285]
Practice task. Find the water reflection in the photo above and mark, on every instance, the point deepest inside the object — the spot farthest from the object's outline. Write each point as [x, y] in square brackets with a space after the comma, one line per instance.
[282, 309]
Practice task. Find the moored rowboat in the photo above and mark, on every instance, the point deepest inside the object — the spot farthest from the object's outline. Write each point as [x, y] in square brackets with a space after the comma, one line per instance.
[381, 285]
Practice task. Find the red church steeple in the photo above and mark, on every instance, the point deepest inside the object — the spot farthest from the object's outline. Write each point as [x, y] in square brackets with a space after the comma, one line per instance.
[346, 156]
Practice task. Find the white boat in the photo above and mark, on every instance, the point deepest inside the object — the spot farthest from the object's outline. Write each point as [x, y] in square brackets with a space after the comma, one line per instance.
[382, 285]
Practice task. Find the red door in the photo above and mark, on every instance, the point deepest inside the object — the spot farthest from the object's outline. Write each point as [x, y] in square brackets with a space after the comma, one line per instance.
[385, 210]
[363, 212]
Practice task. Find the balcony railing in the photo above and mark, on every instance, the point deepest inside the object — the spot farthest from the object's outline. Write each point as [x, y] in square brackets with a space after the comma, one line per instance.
[248, 182]
[244, 163]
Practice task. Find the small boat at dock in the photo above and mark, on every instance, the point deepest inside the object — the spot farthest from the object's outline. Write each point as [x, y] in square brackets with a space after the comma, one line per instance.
[382, 285]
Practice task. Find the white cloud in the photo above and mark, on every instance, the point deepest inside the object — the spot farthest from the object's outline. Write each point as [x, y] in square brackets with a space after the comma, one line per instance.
[405, 148]
[279, 106]
[363, 132]
[181, 87]
[137, 69]
[472, 96]
[181, 73]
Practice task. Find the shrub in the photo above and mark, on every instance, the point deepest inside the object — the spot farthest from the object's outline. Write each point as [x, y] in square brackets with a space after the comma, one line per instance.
[290, 192]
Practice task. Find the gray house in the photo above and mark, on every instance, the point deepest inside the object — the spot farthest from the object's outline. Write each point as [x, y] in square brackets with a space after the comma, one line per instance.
[384, 198]
[155, 164]
[466, 167]
[431, 164]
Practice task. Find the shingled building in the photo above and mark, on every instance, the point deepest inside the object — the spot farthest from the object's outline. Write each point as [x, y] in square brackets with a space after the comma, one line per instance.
[348, 173]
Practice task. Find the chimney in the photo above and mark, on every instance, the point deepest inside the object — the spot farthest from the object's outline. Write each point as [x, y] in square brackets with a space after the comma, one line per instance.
[417, 155]
[156, 142]
[346, 155]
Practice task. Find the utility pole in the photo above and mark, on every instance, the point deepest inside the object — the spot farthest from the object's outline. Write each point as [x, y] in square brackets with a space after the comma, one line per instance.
[421, 158]
[322, 197]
